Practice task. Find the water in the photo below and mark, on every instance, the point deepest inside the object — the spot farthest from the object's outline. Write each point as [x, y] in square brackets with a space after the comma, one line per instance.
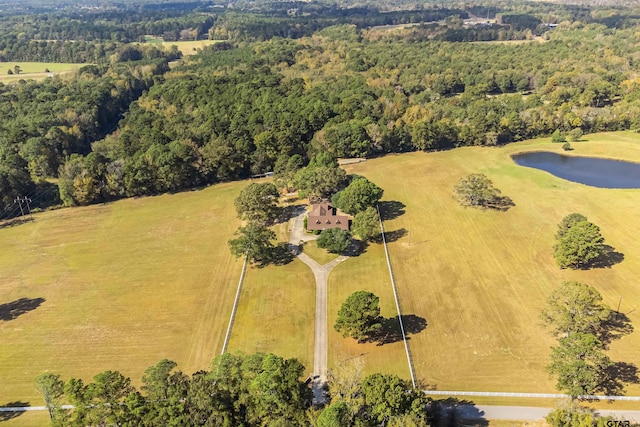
[602, 173]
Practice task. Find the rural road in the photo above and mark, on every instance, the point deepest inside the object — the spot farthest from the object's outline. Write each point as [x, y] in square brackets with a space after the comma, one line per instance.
[530, 413]
[321, 273]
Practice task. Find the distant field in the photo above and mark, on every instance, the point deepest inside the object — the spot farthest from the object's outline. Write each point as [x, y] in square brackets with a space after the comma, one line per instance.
[186, 47]
[34, 70]
[480, 278]
[116, 286]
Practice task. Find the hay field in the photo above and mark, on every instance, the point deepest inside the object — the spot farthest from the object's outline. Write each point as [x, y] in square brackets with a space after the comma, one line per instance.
[34, 70]
[118, 286]
[480, 278]
[276, 313]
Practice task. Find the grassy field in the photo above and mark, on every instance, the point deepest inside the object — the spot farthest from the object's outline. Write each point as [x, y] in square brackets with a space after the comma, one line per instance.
[186, 47]
[117, 286]
[322, 256]
[366, 272]
[33, 70]
[480, 278]
[276, 312]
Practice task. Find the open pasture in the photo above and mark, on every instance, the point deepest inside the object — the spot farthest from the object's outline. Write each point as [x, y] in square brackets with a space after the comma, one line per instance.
[481, 277]
[34, 70]
[276, 313]
[118, 286]
[186, 47]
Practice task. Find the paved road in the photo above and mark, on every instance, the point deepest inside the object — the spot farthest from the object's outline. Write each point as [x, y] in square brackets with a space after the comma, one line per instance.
[321, 273]
[530, 413]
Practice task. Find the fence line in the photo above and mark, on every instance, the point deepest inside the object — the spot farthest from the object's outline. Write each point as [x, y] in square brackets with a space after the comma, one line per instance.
[235, 306]
[395, 295]
[534, 395]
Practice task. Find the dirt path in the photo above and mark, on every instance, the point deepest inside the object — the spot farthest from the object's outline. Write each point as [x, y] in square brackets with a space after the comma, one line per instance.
[321, 273]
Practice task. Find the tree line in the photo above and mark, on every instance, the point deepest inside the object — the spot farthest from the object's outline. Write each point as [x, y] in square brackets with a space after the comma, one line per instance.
[253, 390]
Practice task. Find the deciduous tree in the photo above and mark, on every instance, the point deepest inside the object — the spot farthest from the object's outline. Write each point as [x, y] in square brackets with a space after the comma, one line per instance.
[254, 241]
[366, 224]
[575, 308]
[579, 364]
[358, 196]
[257, 202]
[334, 240]
[477, 190]
[359, 316]
[580, 245]
[52, 389]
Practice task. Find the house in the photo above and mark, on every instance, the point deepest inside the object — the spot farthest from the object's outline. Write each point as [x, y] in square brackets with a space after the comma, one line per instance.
[323, 216]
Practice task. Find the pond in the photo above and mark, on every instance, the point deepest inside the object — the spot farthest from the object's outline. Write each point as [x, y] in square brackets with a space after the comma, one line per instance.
[602, 173]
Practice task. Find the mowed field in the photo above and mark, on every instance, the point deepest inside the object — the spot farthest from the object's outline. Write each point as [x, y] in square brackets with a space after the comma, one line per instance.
[276, 313]
[118, 286]
[186, 47]
[480, 278]
[366, 272]
[34, 70]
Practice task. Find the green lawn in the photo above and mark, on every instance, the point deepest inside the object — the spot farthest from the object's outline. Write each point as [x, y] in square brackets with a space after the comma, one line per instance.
[117, 286]
[276, 312]
[480, 278]
[322, 256]
[366, 272]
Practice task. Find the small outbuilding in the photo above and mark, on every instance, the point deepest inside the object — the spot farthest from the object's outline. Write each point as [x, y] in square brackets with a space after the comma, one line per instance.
[324, 216]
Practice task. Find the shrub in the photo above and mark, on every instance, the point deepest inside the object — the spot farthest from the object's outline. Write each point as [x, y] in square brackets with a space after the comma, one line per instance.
[558, 136]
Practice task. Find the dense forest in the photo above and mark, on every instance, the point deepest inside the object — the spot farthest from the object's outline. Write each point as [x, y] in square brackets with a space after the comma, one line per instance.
[129, 126]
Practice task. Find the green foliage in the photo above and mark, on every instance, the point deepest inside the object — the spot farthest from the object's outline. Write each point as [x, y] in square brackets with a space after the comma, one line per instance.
[579, 246]
[558, 136]
[359, 316]
[385, 396]
[51, 387]
[575, 308]
[334, 240]
[570, 414]
[566, 146]
[477, 190]
[260, 389]
[337, 414]
[366, 224]
[254, 241]
[257, 202]
[567, 222]
[580, 364]
[359, 195]
[318, 180]
[575, 134]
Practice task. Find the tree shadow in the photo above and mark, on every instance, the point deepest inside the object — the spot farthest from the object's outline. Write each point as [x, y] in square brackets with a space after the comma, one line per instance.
[6, 416]
[14, 309]
[356, 248]
[15, 222]
[608, 258]
[614, 327]
[500, 203]
[391, 209]
[617, 375]
[390, 331]
[452, 412]
[285, 213]
[278, 255]
[390, 236]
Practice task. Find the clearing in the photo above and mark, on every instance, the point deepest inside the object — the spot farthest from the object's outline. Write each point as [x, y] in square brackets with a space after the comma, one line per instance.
[480, 278]
[116, 286]
[34, 70]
